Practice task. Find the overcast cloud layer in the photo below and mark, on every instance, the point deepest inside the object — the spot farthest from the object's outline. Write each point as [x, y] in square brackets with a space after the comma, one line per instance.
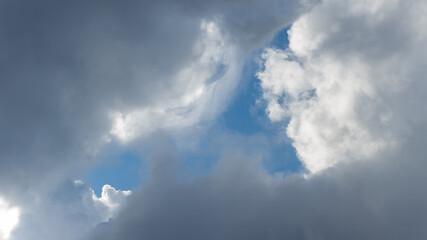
[80, 78]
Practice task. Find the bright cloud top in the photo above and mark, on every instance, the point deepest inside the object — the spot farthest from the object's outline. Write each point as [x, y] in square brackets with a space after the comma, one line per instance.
[111, 198]
[345, 80]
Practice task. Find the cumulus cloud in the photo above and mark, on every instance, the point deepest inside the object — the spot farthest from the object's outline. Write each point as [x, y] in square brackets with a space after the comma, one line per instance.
[350, 82]
[111, 198]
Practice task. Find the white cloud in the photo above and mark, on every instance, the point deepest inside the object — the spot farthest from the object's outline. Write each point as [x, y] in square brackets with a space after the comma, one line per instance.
[198, 92]
[9, 219]
[111, 199]
[345, 81]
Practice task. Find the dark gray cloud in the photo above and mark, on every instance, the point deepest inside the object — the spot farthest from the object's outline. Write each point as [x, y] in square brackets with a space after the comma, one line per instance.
[65, 65]
[384, 199]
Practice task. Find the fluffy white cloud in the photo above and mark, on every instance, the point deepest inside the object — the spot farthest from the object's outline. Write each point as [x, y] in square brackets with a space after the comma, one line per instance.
[351, 81]
[111, 199]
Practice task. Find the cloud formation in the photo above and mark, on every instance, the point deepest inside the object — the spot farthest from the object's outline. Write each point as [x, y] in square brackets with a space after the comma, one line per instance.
[352, 86]
[68, 212]
[80, 76]
[351, 81]
[241, 200]
[77, 77]
[73, 73]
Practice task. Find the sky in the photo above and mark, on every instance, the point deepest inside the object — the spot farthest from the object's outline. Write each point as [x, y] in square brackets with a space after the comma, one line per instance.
[228, 119]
